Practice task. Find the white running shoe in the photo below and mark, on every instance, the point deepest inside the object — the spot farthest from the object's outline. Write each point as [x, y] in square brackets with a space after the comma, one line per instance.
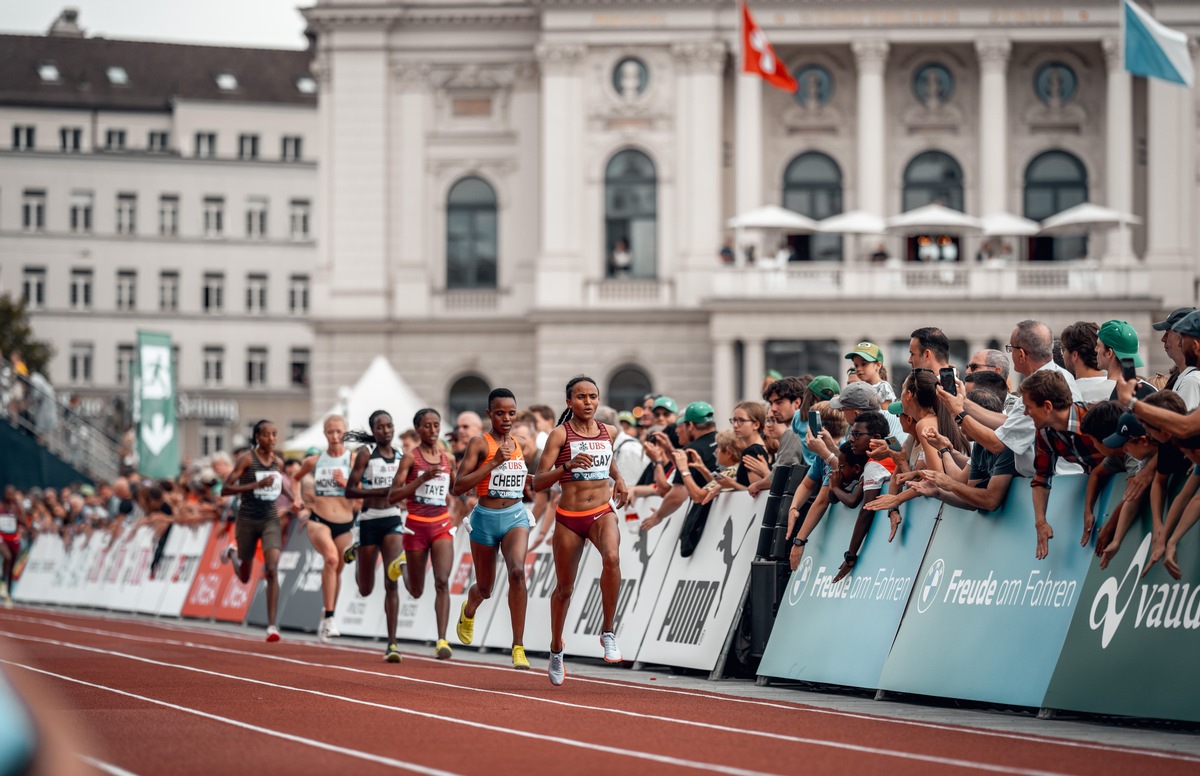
[331, 630]
[612, 653]
[558, 671]
[5, 595]
[229, 554]
[323, 629]
[272, 633]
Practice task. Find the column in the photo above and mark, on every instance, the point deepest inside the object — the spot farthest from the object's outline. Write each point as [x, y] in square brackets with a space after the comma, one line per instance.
[701, 64]
[753, 370]
[993, 56]
[748, 148]
[413, 275]
[723, 388]
[871, 56]
[1119, 149]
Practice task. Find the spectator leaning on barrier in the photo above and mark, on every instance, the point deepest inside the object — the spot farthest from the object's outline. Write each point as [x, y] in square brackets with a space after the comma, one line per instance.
[861, 397]
[697, 431]
[929, 348]
[1171, 342]
[1175, 455]
[819, 388]
[867, 427]
[833, 424]
[784, 397]
[1047, 399]
[1117, 340]
[1079, 356]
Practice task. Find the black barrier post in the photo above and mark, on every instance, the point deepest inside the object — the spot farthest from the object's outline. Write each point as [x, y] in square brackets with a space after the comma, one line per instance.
[766, 534]
[779, 547]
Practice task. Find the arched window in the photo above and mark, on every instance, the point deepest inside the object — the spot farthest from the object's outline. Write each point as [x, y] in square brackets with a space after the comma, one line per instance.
[469, 392]
[626, 388]
[630, 216]
[471, 242]
[1055, 181]
[933, 177]
[812, 186]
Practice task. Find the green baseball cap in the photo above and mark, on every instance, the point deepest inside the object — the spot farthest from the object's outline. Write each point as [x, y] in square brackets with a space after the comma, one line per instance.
[626, 417]
[825, 387]
[896, 408]
[1123, 340]
[313, 451]
[667, 403]
[867, 351]
[698, 412]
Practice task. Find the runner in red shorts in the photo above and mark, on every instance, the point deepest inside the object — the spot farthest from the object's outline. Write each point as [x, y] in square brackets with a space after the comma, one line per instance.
[427, 473]
[10, 543]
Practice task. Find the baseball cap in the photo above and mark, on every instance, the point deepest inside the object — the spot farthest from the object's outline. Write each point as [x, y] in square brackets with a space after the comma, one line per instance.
[1123, 339]
[1128, 427]
[626, 417]
[1177, 315]
[667, 403]
[856, 396]
[868, 351]
[312, 451]
[698, 412]
[1188, 324]
[825, 387]
[896, 408]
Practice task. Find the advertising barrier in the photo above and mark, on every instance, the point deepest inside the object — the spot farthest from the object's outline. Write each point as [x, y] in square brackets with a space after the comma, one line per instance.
[357, 615]
[841, 634]
[44, 558]
[540, 582]
[216, 593]
[703, 593]
[293, 563]
[84, 555]
[301, 602]
[150, 594]
[180, 575]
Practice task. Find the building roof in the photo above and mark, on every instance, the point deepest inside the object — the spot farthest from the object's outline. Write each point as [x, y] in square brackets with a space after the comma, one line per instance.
[157, 73]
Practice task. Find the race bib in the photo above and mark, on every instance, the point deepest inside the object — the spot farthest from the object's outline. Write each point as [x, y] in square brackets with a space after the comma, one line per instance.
[380, 473]
[435, 491]
[508, 480]
[330, 480]
[601, 452]
[271, 485]
[8, 524]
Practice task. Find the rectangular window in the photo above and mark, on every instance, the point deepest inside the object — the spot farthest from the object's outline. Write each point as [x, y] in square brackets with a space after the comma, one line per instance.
[81, 211]
[256, 367]
[256, 294]
[214, 365]
[256, 217]
[298, 218]
[214, 216]
[157, 141]
[298, 295]
[124, 364]
[247, 147]
[300, 359]
[70, 139]
[168, 291]
[81, 288]
[292, 148]
[114, 140]
[212, 438]
[168, 215]
[214, 292]
[33, 210]
[24, 137]
[33, 287]
[206, 145]
[126, 213]
[81, 362]
[126, 289]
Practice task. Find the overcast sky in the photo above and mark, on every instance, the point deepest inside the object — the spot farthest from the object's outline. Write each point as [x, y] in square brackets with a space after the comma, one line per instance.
[268, 23]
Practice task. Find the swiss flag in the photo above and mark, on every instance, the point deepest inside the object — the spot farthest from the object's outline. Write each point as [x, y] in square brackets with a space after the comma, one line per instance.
[759, 57]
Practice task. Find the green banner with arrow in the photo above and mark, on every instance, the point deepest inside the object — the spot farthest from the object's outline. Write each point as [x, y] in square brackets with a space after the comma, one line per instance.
[154, 407]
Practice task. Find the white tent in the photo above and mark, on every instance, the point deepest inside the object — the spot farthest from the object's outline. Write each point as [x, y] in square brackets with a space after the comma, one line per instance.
[379, 388]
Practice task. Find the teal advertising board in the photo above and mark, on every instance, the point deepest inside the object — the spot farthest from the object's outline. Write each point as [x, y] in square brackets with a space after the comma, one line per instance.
[987, 620]
[841, 634]
[154, 407]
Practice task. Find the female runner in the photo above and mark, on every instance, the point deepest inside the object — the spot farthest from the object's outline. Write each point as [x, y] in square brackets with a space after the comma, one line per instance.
[258, 478]
[427, 473]
[494, 465]
[380, 523]
[579, 455]
[332, 514]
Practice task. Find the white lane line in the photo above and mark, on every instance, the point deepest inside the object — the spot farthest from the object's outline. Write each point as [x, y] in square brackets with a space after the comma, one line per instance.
[235, 723]
[100, 765]
[712, 696]
[658, 758]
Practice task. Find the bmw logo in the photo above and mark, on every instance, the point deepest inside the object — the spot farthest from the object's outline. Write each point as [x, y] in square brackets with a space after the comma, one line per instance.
[800, 580]
[929, 588]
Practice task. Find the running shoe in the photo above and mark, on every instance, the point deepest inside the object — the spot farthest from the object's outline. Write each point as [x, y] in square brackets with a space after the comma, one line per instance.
[521, 662]
[323, 629]
[466, 626]
[612, 653]
[8, 604]
[392, 653]
[396, 568]
[229, 554]
[331, 631]
[558, 671]
[272, 634]
[443, 650]
[351, 553]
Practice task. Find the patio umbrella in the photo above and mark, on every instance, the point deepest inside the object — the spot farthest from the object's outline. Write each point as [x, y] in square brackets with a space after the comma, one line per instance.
[1008, 225]
[773, 217]
[1085, 217]
[853, 222]
[933, 218]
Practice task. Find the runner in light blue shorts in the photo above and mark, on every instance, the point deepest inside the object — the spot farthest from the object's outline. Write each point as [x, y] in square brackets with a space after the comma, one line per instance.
[488, 526]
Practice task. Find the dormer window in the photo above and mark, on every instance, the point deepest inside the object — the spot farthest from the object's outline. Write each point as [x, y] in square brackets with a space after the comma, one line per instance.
[48, 72]
[117, 76]
[227, 82]
[306, 85]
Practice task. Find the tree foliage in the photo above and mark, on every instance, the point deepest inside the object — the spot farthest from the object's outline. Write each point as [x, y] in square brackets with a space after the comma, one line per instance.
[16, 336]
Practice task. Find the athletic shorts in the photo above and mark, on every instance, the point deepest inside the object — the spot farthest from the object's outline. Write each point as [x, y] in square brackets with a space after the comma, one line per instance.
[372, 531]
[13, 543]
[248, 532]
[427, 531]
[335, 529]
[489, 526]
[581, 522]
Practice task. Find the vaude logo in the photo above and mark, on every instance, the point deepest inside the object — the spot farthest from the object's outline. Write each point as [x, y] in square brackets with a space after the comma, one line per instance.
[929, 587]
[800, 580]
[1163, 605]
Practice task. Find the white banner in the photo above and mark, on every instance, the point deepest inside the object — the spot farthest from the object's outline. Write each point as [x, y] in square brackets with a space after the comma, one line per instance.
[77, 563]
[183, 567]
[135, 569]
[539, 584]
[44, 556]
[354, 614]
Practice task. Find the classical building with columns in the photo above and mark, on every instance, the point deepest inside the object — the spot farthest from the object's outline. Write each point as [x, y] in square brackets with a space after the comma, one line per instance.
[511, 193]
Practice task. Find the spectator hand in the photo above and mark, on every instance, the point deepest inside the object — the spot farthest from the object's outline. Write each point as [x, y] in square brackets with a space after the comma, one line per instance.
[931, 435]
[1105, 535]
[1171, 563]
[896, 519]
[651, 521]
[1137, 484]
[1126, 390]
[846, 567]
[1044, 534]
[939, 480]
[883, 502]
[1158, 548]
[955, 403]
[757, 466]
[816, 446]
[1107, 555]
[794, 557]
[926, 488]
[1089, 522]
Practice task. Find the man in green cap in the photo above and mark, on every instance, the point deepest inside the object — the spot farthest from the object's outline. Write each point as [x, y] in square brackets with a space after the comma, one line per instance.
[697, 430]
[1117, 340]
[664, 411]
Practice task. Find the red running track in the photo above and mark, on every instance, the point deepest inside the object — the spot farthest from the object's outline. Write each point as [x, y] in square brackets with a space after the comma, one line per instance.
[150, 697]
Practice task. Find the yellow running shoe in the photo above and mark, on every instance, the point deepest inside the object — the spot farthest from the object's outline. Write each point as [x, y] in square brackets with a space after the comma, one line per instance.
[392, 653]
[443, 650]
[466, 626]
[520, 662]
[396, 567]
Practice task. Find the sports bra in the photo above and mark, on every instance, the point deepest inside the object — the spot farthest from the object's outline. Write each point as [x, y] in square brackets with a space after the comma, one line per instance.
[598, 447]
[506, 480]
[429, 500]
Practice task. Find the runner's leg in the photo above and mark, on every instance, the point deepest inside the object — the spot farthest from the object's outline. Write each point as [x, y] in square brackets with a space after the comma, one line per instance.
[442, 553]
[483, 558]
[271, 574]
[364, 572]
[606, 537]
[515, 545]
[321, 539]
[392, 546]
[414, 572]
[568, 548]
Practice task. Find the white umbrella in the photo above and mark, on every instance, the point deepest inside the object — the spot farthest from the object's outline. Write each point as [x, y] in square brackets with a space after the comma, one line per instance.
[854, 222]
[1008, 225]
[933, 218]
[772, 217]
[1084, 217]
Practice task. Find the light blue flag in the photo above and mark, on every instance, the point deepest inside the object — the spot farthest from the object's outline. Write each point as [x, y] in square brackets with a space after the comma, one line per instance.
[1155, 51]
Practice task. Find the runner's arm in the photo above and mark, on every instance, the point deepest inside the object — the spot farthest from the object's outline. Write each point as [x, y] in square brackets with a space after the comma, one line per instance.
[548, 473]
[477, 469]
[354, 487]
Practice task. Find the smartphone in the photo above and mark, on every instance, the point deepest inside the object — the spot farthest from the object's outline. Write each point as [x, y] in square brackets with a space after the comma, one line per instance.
[814, 422]
[894, 444]
[1128, 370]
[948, 375]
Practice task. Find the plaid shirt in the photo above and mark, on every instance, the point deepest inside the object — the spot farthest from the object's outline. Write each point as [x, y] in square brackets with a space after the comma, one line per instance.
[1053, 444]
